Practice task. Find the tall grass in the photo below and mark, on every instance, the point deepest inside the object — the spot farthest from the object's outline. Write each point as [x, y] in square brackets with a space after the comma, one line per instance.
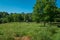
[10, 30]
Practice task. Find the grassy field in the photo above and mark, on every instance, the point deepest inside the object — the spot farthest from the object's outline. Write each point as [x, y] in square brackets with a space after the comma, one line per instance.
[17, 29]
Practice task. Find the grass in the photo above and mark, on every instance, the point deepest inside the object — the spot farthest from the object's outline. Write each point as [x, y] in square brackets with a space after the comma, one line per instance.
[35, 30]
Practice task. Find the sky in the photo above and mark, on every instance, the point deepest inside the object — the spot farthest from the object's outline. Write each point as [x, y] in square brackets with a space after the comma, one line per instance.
[19, 6]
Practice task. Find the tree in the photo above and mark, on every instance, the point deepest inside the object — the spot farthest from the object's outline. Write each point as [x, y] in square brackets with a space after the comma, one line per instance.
[44, 10]
[3, 14]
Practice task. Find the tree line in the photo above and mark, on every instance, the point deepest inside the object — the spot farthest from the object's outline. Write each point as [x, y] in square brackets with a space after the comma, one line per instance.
[15, 17]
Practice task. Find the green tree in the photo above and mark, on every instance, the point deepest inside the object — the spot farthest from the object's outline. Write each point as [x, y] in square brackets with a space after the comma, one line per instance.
[44, 10]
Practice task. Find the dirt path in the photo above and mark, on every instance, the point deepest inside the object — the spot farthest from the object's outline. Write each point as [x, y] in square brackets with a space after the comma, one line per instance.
[23, 38]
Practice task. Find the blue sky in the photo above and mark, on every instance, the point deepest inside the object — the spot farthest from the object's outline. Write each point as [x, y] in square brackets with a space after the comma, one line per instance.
[18, 5]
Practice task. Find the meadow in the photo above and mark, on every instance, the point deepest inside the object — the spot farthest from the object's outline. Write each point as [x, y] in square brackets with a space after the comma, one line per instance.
[35, 30]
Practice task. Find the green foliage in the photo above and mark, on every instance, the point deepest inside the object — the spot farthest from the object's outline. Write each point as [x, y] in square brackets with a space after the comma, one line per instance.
[14, 17]
[37, 11]
[44, 10]
[10, 30]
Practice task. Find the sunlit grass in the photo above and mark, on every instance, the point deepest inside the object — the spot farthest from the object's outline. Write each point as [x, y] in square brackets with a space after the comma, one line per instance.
[35, 30]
